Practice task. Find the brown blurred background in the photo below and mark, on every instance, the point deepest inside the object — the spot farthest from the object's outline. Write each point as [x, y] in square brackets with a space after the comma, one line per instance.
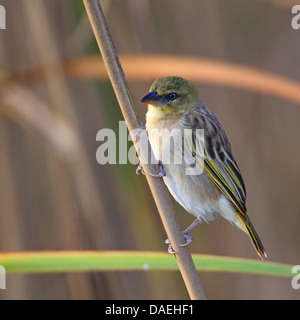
[55, 196]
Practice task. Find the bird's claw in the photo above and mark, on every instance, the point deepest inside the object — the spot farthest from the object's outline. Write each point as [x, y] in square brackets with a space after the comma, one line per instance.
[188, 240]
[170, 249]
[140, 168]
[161, 173]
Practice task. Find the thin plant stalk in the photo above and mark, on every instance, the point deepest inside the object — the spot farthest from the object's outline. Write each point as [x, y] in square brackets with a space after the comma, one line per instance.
[157, 187]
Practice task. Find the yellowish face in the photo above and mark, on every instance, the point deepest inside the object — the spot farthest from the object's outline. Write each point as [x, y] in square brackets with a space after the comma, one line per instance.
[170, 96]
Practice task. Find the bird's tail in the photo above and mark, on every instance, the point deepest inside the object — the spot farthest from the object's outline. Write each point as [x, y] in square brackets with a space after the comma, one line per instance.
[249, 229]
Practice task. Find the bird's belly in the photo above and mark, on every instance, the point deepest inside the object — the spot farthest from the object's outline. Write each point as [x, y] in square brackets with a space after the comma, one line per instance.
[196, 193]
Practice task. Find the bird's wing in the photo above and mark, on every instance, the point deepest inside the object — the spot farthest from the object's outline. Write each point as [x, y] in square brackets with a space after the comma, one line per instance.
[219, 163]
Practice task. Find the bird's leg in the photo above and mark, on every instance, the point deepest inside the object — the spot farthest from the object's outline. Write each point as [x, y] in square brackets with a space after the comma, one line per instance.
[188, 239]
[159, 175]
[191, 227]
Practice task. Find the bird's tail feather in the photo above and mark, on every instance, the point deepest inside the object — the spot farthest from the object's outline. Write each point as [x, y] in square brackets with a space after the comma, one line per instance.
[249, 228]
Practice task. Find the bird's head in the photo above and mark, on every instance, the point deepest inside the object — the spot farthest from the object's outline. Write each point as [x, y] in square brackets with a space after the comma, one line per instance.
[171, 96]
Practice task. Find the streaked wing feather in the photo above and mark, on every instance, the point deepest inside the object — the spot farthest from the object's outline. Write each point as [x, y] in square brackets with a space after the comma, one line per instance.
[219, 163]
[225, 179]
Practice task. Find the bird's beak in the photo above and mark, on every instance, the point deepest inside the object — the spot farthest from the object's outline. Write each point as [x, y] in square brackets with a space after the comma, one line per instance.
[152, 98]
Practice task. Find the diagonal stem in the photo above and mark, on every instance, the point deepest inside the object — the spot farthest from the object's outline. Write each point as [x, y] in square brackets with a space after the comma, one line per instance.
[157, 187]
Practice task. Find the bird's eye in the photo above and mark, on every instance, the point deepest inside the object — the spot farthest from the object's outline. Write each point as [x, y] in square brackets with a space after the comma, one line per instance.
[172, 96]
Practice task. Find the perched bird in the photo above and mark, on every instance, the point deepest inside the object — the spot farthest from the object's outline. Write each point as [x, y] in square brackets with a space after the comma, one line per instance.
[174, 103]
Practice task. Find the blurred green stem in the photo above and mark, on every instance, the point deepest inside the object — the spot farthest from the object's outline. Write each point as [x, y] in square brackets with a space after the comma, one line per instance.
[82, 261]
[158, 189]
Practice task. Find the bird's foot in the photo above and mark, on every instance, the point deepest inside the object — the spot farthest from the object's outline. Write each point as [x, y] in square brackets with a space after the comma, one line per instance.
[140, 168]
[159, 175]
[170, 249]
[188, 240]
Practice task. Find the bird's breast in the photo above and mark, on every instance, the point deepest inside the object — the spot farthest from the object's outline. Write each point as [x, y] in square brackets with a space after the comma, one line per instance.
[196, 193]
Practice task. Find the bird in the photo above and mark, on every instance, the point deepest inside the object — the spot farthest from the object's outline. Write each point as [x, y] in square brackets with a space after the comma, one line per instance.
[218, 189]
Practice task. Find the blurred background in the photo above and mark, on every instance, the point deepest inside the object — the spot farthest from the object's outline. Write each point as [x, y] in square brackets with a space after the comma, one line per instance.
[55, 196]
